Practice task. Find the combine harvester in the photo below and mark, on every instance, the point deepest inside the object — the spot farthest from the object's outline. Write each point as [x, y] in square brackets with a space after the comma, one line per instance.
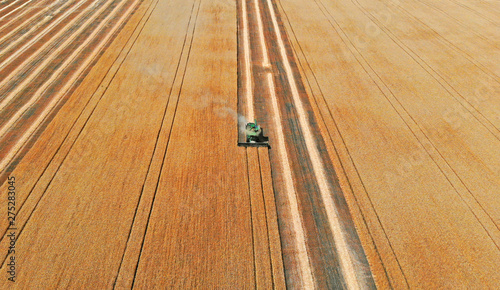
[254, 136]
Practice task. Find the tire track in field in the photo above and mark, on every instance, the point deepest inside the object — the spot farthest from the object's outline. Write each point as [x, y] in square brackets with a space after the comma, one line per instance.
[431, 149]
[439, 78]
[127, 270]
[42, 182]
[400, 110]
[444, 83]
[348, 42]
[302, 271]
[103, 41]
[117, 63]
[462, 23]
[477, 12]
[177, 84]
[449, 43]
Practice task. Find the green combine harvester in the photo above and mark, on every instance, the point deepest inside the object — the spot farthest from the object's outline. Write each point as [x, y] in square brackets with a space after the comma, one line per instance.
[254, 136]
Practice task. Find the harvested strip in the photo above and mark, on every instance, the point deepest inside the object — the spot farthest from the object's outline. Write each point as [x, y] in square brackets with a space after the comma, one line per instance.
[56, 98]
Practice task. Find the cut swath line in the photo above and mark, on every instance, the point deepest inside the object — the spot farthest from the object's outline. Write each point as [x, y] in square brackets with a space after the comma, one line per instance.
[19, 28]
[27, 33]
[299, 235]
[1, 18]
[55, 100]
[38, 37]
[265, 61]
[25, 20]
[248, 65]
[12, 74]
[46, 61]
[346, 261]
[12, 3]
[298, 229]
[306, 276]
